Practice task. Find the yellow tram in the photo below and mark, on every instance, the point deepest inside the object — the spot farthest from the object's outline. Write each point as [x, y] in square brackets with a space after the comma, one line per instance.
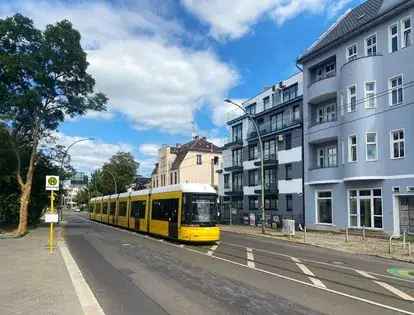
[185, 212]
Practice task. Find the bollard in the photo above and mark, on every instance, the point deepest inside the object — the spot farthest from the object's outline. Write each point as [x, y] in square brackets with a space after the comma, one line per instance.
[390, 244]
[363, 233]
[346, 235]
[404, 240]
[304, 235]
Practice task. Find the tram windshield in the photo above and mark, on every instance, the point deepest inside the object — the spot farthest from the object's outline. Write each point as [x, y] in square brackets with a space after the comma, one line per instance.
[200, 209]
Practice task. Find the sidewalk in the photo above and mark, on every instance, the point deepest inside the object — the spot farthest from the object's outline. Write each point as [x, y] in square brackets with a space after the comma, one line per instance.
[32, 281]
[370, 246]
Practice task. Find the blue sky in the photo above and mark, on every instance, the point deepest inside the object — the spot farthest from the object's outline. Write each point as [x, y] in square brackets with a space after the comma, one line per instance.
[167, 65]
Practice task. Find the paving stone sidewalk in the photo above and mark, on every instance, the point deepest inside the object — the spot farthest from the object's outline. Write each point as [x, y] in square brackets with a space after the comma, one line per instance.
[375, 246]
[32, 281]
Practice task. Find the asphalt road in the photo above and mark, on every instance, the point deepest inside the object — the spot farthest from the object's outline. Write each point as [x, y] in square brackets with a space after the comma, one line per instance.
[131, 273]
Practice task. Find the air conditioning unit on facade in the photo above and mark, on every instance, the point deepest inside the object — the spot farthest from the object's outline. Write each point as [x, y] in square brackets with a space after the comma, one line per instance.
[410, 189]
[396, 189]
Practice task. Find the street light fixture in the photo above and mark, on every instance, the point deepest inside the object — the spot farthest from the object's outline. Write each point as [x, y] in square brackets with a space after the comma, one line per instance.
[250, 116]
[61, 166]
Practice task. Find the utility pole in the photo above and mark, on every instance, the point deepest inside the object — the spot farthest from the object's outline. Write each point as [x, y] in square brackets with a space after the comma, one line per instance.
[259, 137]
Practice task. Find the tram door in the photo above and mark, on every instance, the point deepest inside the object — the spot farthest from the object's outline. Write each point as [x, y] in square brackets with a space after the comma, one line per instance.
[173, 219]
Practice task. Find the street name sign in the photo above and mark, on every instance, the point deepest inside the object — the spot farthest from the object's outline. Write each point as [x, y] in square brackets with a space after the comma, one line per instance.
[52, 183]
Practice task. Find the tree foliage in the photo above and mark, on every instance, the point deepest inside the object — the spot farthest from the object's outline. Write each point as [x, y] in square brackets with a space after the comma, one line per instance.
[43, 79]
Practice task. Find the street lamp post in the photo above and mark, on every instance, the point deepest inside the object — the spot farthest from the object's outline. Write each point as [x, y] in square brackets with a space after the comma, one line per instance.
[250, 116]
[113, 178]
[61, 169]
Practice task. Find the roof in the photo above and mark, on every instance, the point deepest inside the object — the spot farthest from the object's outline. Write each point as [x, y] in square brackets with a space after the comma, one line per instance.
[198, 145]
[350, 22]
[155, 170]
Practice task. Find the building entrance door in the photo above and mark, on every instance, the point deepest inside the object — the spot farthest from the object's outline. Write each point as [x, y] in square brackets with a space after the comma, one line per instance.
[407, 214]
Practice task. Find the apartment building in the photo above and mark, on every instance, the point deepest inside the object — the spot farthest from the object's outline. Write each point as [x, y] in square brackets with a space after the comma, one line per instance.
[358, 120]
[278, 112]
[194, 162]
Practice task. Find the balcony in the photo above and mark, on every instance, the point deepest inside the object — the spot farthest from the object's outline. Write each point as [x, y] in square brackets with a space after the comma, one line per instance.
[323, 120]
[269, 159]
[237, 190]
[322, 88]
[270, 189]
[268, 128]
[234, 143]
[234, 167]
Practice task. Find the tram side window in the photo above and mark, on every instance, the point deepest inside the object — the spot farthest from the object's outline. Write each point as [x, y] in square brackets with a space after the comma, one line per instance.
[91, 207]
[122, 209]
[138, 209]
[112, 208]
[104, 208]
[165, 209]
[99, 208]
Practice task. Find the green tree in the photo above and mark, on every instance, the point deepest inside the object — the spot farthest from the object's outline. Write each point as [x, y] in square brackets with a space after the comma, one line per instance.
[43, 78]
[123, 167]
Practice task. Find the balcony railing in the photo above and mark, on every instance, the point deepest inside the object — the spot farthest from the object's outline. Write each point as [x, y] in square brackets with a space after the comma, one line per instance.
[323, 77]
[322, 120]
[268, 159]
[270, 188]
[270, 127]
[234, 142]
[318, 167]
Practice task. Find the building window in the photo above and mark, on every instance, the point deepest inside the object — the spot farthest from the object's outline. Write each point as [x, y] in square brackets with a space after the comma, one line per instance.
[396, 87]
[342, 103]
[397, 144]
[288, 171]
[330, 69]
[406, 32]
[371, 45]
[327, 157]
[277, 97]
[253, 177]
[352, 149]
[371, 144]
[251, 109]
[253, 152]
[237, 157]
[175, 178]
[324, 207]
[352, 52]
[271, 204]
[279, 121]
[365, 208]
[288, 141]
[290, 93]
[171, 179]
[237, 133]
[296, 113]
[253, 203]
[266, 102]
[287, 117]
[226, 180]
[393, 43]
[289, 202]
[216, 160]
[325, 113]
[269, 150]
[370, 95]
[199, 160]
[352, 98]
[237, 182]
[270, 178]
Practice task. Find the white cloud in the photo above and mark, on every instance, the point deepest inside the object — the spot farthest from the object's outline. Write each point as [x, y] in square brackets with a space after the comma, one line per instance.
[138, 60]
[233, 19]
[149, 149]
[89, 155]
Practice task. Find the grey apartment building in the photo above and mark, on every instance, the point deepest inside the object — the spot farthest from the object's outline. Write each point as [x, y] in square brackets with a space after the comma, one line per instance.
[358, 113]
[278, 113]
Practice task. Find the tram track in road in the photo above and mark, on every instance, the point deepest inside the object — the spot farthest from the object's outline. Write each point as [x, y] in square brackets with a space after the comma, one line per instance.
[286, 268]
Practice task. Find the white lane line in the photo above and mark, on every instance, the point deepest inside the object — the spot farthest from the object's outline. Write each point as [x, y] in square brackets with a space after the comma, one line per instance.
[212, 250]
[296, 260]
[365, 274]
[396, 291]
[317, 282]
[350, 296]
[87, 299]
[305, 270]
[250, 258]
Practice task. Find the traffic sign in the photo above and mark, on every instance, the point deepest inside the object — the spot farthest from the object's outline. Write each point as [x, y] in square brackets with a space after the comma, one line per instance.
[51, 218]
[52, 183]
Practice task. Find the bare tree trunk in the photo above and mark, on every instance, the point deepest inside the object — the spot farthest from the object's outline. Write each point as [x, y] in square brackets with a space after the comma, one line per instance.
[26, 189]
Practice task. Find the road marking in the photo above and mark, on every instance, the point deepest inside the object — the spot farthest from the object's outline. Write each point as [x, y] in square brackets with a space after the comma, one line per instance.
[296, 260]
[250, 258]
[305, 270]
[396, 291]
[317, 282]
[212, 250]
[365, 274]
[87, 299]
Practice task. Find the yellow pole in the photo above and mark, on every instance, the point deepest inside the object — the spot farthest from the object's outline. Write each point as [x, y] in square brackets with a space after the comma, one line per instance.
[51, 229]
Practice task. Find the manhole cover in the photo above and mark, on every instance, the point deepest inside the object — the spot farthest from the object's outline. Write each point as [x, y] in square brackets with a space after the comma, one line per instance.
[401, 273]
